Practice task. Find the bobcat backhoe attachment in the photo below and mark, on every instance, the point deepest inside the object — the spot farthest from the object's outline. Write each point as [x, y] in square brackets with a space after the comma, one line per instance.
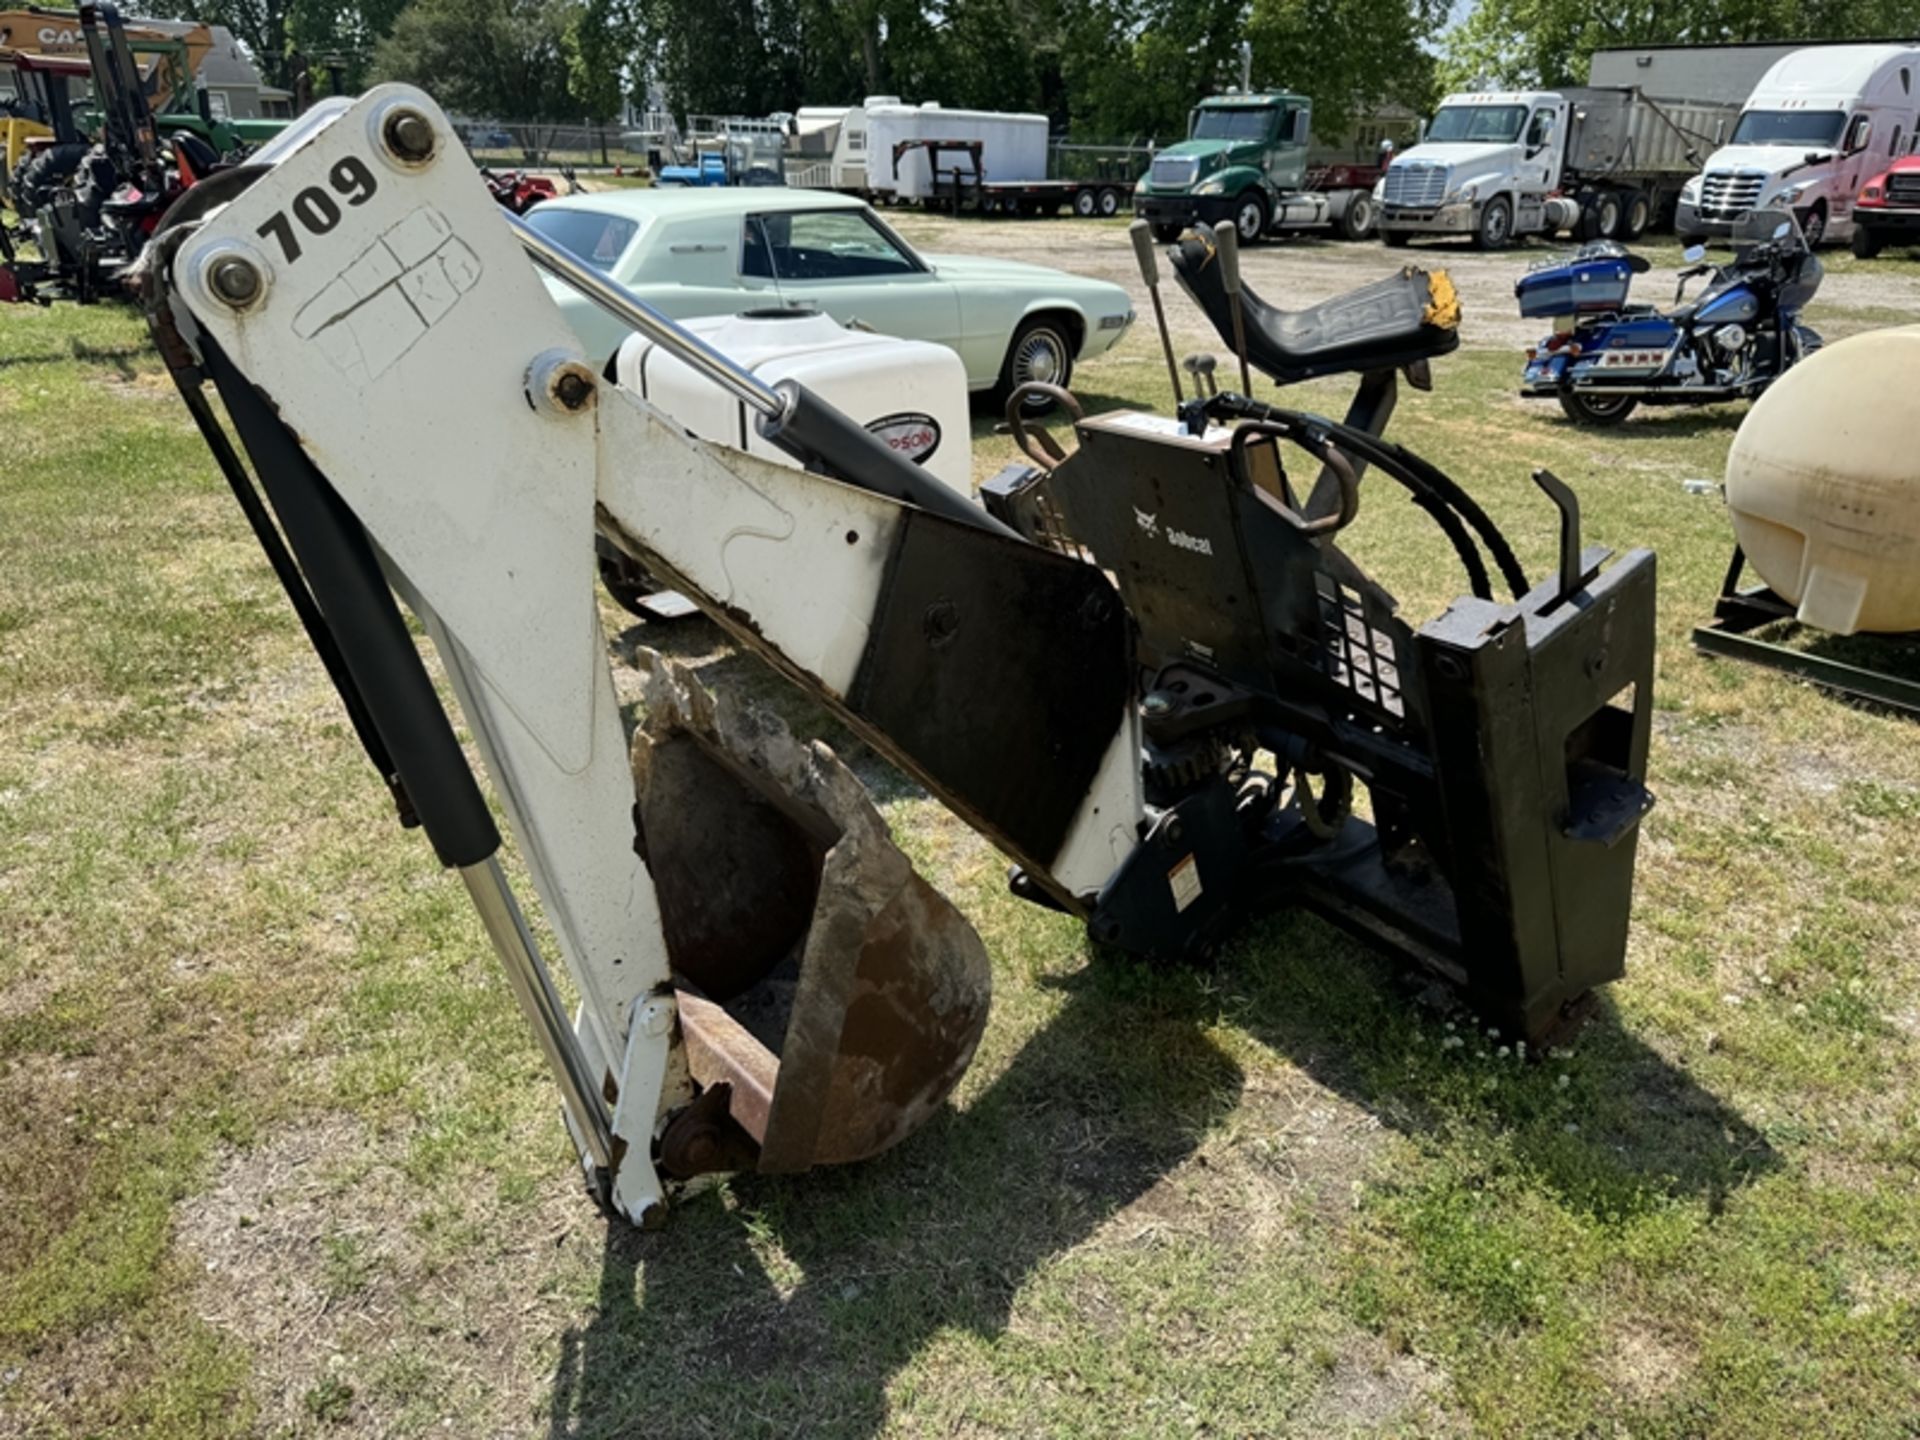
[1162, 741]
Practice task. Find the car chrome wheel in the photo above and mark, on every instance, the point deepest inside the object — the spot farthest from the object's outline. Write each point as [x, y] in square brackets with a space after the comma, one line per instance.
[1041, 357]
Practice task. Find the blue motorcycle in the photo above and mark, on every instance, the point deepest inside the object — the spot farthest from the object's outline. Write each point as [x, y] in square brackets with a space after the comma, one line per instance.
[1607, 357]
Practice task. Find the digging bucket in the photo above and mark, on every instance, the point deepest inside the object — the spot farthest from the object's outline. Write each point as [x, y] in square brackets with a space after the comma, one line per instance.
[830, 998]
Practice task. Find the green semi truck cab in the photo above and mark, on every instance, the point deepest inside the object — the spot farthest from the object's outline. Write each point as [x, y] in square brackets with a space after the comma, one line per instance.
[1245, 160]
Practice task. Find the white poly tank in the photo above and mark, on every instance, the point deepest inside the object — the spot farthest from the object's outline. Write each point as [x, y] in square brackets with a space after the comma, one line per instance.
[1824, 485]
[910, 393]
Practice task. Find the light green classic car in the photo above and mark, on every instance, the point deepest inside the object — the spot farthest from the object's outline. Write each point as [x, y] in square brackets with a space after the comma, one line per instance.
[719, 252]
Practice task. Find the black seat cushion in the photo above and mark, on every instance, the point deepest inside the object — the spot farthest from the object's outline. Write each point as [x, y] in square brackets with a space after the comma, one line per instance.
[1405, 318]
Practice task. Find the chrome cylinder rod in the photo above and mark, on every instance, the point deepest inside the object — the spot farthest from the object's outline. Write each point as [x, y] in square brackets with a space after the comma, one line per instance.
[621, 303]
[540, 1002]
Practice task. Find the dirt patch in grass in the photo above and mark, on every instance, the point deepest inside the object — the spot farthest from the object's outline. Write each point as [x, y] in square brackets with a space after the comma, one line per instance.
[1643, 1363]
[317, 1255]
[1370, 1389]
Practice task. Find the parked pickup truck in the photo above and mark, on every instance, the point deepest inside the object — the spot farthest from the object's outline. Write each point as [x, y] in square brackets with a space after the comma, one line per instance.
[1604, 162]
[1245, 160]
[1887, 211]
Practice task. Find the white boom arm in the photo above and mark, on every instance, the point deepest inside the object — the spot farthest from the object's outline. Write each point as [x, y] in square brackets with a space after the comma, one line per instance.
[370, 290]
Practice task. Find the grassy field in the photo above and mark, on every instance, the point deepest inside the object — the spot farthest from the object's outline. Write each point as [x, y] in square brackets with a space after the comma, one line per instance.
[279, 1158]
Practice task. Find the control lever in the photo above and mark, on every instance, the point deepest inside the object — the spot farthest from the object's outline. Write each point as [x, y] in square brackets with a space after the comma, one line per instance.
[1569, 506]
[1227, 242]
[1201, 367]
[1142, 235]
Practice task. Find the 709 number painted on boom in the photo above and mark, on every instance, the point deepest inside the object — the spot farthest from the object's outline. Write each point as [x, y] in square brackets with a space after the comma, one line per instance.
[316, 210]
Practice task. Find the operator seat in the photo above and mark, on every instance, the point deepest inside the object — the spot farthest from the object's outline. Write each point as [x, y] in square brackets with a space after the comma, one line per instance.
[1399, 321]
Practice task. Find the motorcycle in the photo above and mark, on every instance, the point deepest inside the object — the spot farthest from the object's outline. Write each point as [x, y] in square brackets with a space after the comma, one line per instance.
[1606, 357]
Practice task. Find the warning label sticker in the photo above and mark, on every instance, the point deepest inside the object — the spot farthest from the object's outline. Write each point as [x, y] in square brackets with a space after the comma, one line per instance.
[1184, 880]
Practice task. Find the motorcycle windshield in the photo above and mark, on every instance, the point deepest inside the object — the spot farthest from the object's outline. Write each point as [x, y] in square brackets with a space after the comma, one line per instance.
[1758, 228]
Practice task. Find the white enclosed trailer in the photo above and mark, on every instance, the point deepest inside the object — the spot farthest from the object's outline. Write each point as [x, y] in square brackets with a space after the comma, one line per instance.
[1013, 147]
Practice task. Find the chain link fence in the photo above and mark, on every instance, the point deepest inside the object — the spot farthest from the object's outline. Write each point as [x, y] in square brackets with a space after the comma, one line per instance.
[546, 145]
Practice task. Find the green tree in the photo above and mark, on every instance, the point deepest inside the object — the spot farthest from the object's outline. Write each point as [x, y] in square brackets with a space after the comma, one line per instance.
[1133, 69]
[500, 58]
[599, 49]
[323, 33]
[1347, 54]
[260, 25]
[1549, 42]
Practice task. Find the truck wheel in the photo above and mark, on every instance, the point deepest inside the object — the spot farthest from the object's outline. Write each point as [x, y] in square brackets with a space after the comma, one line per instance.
[1866, 244]
[1585, 408]
[1086, 204]
[1495, 231]
[1109, 203]
[1250, 216]
[1814, 225]
[1639, 215]
[1168, 234]
[1356, 222]
[1606, 215]
[1042, 349]
[1395, 239]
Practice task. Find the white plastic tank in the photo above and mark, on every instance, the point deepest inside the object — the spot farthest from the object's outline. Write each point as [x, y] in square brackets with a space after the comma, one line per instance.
[910, 393]
[1824, 485]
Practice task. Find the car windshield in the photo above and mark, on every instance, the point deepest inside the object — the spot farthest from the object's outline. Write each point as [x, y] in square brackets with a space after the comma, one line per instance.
[823, 245]
[1789, 127]
[1216, 124]
[597, 238]
[1481, 124]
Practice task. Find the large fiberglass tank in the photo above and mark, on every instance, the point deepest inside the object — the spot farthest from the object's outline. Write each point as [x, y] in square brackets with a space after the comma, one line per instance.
[1824, 485]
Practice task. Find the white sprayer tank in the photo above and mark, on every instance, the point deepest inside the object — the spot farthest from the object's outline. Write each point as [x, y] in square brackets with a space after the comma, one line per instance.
[1824, 485]
[910, 393]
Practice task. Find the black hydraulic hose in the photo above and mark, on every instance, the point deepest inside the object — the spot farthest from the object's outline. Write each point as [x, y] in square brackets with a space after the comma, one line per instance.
[357, 603]
[1479, 584]
[1412, 473]
[1387, 455]
[288, 573]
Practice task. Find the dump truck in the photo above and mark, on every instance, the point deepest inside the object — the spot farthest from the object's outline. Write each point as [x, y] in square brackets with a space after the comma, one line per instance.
[1245, 160]
[1604, 162]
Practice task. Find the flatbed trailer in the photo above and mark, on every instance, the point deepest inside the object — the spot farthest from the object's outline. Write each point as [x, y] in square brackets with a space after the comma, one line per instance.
[963, 185]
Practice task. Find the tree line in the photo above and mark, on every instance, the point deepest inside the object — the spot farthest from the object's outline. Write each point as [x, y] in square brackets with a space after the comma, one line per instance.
[1103, 69]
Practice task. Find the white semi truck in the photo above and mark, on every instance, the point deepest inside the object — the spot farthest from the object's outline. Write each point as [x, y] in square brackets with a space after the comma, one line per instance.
[1605, 162]
[1818, 124]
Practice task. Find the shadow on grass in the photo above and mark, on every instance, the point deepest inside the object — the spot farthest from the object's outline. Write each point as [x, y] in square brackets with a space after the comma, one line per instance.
[793, 1309]
[694, 1335]
[118, 357]
[1629, 1130]
[1656, 423]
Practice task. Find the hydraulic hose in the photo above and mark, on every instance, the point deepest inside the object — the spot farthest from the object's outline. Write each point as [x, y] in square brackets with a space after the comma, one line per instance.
[1432, 489]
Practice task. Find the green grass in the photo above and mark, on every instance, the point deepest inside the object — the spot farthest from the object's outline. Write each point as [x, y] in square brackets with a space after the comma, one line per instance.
[280, 1158]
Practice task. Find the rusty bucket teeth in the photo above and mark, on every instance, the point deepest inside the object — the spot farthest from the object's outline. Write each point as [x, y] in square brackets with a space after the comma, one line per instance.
[829, 996]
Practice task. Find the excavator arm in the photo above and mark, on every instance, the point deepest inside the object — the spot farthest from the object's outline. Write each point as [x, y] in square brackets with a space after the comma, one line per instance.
[420, 418]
